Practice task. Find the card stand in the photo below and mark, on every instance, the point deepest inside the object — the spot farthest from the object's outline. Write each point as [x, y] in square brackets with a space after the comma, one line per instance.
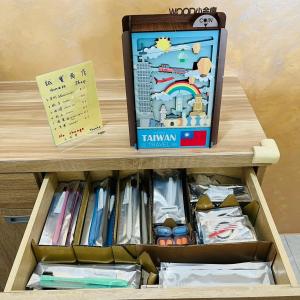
[61, 254]
[93, 254]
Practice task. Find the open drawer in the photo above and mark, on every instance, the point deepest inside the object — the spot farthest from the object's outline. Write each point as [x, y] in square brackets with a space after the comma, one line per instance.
[25, 262]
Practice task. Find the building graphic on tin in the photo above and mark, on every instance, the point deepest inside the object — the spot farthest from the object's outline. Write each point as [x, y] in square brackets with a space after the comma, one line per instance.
[143, 92]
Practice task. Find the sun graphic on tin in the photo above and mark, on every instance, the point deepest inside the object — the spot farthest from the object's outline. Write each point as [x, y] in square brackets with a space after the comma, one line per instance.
[163, 44]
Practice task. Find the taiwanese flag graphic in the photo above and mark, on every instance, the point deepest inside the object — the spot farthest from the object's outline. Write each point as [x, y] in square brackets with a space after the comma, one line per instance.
[193, 138]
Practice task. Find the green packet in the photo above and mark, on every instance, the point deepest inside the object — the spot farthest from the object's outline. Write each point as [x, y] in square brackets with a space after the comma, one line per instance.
[48, 281]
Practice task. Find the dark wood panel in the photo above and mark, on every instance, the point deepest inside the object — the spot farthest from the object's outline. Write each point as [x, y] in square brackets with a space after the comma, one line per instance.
[10, 238]
[18, 190]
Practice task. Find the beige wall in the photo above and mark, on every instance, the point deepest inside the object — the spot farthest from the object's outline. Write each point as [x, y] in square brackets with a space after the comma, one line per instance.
[38, 36]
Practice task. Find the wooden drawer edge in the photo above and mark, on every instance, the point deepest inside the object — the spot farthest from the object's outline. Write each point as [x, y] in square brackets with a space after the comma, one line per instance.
[238, 293]
[252, 181]
[24, 250]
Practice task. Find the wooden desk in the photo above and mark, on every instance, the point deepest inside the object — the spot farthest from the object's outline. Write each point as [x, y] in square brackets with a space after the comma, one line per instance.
[27, 146]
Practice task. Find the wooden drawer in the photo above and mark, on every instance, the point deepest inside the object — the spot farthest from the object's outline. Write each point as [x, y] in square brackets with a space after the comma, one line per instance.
[25, 261]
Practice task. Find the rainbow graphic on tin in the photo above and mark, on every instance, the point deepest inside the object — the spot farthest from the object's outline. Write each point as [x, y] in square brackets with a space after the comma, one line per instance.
[182, 85]
[173, 87]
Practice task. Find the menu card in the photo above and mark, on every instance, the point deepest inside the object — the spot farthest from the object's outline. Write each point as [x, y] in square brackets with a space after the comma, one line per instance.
[70, 100]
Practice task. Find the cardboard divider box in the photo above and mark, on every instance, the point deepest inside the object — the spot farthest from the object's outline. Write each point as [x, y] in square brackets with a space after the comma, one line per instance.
[118, 253]
[125, 254]
[55, 254]
[60, 254]
[144, 177]
[211, 254]
[187, 208]
[250, 208]
[94, 254]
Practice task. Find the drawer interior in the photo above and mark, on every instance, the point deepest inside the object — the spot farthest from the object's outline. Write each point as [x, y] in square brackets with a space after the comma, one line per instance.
[264, 225]
[25, 261]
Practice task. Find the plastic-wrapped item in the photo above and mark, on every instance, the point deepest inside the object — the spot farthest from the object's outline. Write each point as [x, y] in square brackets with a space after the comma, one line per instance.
[53, 214]
[217, 187]
[98, 230]
[235, 211]
[100, 208]
[57, 282]
[96, 233]
[132, 223]
[145, 217]
[197, 275]
[214, 179]
[63, 276]
[226, 230]
[217, 193]
[168, 197]
[74, 214]
[69, 211]
[62, 213]
[111, 220]
[136, 237]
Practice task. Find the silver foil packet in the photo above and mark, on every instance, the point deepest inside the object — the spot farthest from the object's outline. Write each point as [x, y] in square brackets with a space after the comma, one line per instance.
[197, 275]
[168, 197]
[234, 211]
[217, 187]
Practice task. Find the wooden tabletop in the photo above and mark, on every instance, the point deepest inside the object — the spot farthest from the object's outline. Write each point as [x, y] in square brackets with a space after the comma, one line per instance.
[26, 143]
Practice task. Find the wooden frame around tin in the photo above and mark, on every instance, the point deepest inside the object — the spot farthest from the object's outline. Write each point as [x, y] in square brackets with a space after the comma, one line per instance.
[168, 22]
